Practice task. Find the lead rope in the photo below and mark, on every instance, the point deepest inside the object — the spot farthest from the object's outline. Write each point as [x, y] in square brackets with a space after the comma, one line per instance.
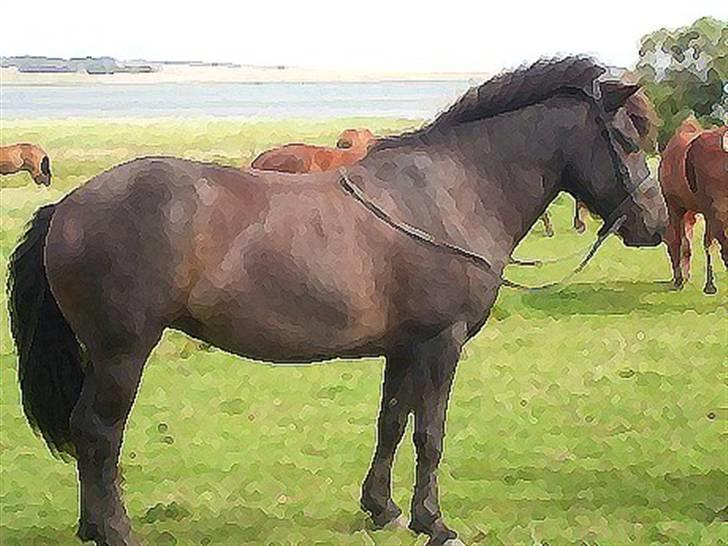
[483, 263]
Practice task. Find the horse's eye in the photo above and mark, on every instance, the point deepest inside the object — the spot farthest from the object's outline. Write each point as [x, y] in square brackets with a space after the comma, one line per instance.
[342, 143]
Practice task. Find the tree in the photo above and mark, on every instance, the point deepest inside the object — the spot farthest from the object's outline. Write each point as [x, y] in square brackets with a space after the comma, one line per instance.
[685, 71]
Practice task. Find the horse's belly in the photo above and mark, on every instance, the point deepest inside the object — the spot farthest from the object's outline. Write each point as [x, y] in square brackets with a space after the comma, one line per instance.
[289, 305]
[287, 328]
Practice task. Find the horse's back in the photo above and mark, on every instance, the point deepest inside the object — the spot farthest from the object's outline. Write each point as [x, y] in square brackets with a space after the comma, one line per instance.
[290, 158]
[305, 158]
[11, 158]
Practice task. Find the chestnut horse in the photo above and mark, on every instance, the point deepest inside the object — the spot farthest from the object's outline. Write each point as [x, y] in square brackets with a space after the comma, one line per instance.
[26, 157]
[682, 203]
[351, 146]
[295, 268]
[645, 119]
[706, 170]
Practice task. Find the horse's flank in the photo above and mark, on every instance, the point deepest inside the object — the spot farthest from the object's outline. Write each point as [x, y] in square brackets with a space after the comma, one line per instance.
[706, 169]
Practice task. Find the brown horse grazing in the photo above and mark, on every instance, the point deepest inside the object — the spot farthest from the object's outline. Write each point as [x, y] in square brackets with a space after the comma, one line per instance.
[682, 204]
[351, 146]
[26, 157]
[299, 268]
[706, 169]
[644, 117]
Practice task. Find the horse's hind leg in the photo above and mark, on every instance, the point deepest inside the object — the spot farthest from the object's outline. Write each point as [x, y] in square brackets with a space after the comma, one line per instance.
[579, 224]
[708, 239]
[673, 239]
[376, 496]
[710, 287]
[547, 225]
[686, 245]
[97, 425]
[436, 361]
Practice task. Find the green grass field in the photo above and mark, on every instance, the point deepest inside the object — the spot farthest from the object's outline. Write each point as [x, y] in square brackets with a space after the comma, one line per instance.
[591, 415]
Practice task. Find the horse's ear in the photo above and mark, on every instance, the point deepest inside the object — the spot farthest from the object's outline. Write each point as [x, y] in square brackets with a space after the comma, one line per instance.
[615, 94]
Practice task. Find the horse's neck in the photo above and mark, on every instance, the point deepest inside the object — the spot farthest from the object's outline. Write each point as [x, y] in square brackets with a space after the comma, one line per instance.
[481, 185]
[515, 163]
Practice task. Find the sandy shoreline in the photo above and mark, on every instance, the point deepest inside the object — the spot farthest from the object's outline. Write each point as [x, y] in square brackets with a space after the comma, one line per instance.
[218, 74]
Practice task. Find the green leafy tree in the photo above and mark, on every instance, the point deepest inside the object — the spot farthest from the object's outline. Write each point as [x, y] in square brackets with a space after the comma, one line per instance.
[685, 71]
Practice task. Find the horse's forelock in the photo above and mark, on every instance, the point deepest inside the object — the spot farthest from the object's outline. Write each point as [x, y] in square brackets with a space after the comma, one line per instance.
[645, 119]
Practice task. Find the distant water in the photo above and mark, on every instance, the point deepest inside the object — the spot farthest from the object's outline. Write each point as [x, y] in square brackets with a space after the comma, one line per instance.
[247, 100]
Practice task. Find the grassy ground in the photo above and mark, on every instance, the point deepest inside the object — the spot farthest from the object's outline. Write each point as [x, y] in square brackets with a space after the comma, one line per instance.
[595, 414]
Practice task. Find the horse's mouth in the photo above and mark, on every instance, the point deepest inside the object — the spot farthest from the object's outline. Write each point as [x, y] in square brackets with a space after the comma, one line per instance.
[647, 241]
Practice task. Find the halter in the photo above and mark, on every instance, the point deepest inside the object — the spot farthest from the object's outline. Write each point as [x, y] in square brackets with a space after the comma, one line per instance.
[477, 259]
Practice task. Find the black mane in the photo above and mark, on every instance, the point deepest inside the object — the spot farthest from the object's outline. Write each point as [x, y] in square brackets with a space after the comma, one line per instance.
[513, 90]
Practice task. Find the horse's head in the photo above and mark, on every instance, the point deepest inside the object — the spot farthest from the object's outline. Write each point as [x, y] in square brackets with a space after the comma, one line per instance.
[42, 171]
[609, 172]
[355, 138]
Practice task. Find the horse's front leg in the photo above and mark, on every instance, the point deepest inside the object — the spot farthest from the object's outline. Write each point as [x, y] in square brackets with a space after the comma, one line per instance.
[376, 495]
[436, 361]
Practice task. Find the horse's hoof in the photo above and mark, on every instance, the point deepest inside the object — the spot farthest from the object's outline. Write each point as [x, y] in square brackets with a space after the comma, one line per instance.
[86, 532]
[89, 532]
[710, 289]
[444, 539]
[678, 284]
[439, 533]
[389, 518]
[400, 522]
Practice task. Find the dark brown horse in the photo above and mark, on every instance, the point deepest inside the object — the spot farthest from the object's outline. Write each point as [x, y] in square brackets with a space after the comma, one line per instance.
[351, 146]
[706, 170]
[26, 157]
[284, 268]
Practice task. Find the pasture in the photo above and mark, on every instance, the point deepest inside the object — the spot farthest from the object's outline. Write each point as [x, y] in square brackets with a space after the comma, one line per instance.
[591, 414]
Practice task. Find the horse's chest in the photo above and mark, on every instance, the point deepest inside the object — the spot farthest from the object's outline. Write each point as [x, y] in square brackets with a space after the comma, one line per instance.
[441, 289]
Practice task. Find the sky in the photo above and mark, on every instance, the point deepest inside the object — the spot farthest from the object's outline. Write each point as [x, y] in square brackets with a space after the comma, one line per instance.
[389, 35]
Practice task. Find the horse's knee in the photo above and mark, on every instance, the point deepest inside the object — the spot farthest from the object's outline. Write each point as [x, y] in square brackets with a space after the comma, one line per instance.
[94, 439]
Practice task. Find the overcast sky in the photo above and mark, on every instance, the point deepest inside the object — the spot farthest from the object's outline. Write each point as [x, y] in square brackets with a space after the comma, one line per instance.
[425, 35]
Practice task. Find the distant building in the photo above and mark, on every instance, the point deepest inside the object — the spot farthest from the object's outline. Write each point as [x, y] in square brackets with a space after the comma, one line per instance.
[88, 65]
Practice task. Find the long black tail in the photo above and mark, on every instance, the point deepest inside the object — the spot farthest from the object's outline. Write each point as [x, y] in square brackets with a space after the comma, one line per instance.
[49, 355]
[690, 173]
